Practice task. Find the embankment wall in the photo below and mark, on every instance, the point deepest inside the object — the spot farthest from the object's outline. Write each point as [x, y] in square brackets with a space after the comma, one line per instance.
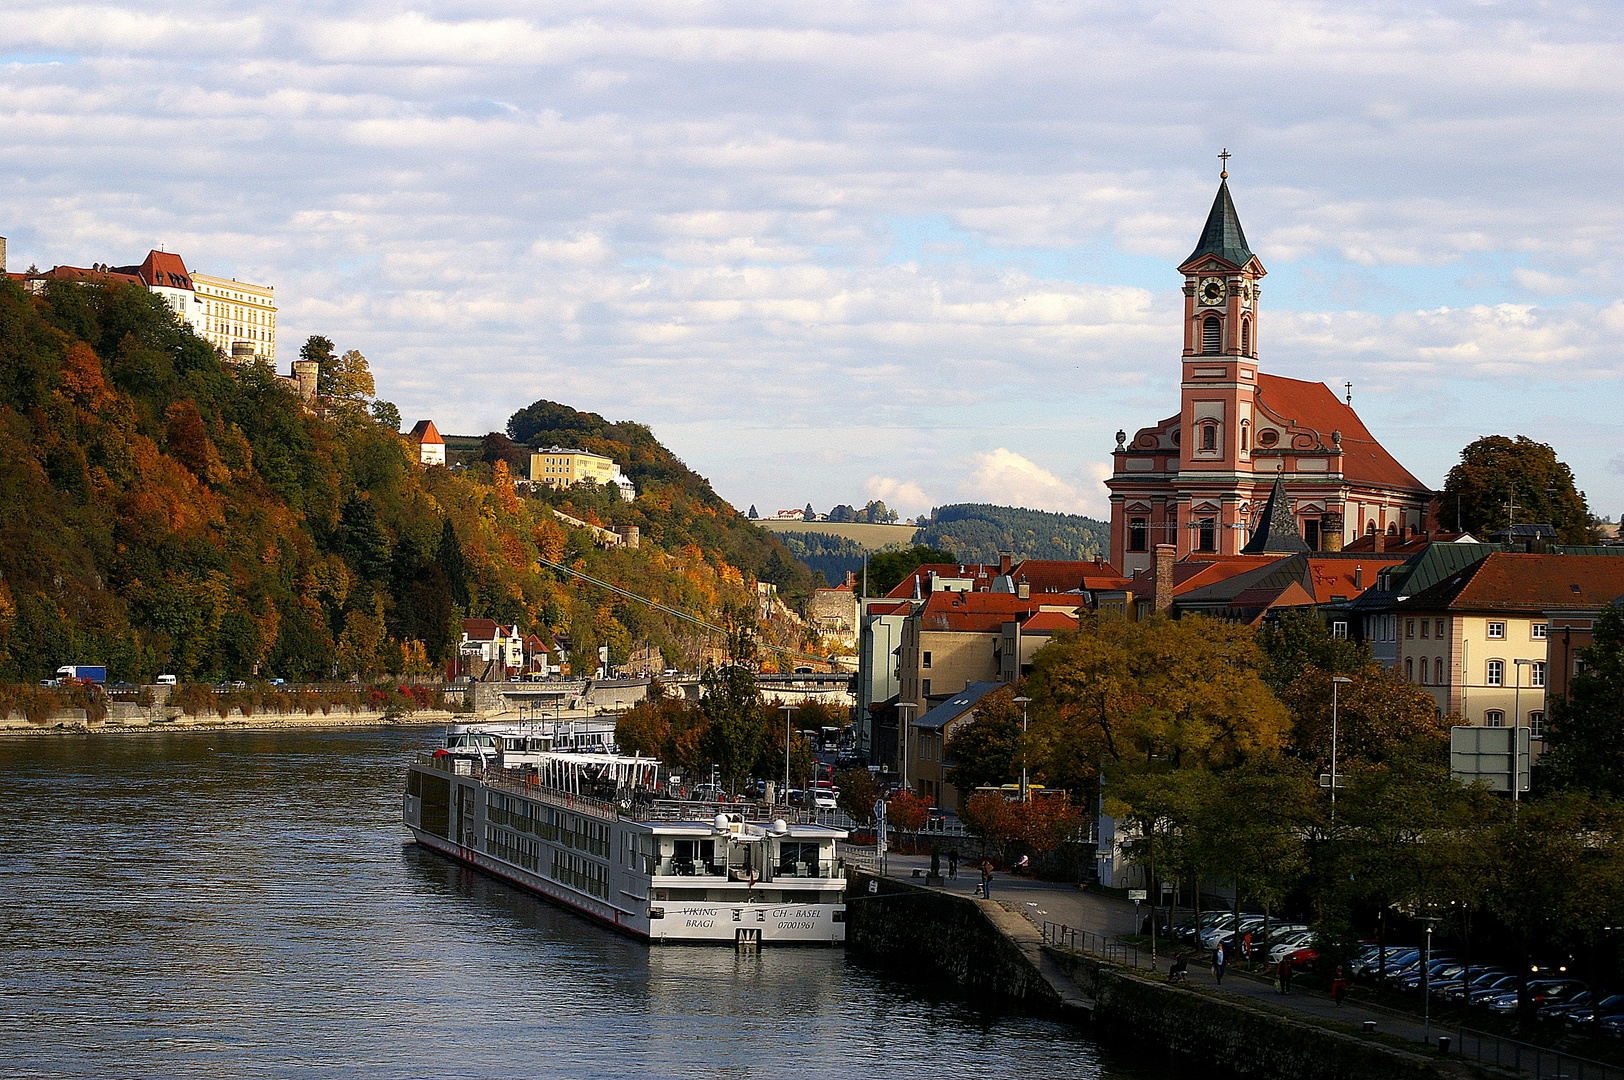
[988, 952]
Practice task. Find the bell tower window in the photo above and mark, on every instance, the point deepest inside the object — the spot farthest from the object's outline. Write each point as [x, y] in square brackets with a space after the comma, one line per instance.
[1246, 337]
[1209, 436]
[1246, 430]
[1212, 335]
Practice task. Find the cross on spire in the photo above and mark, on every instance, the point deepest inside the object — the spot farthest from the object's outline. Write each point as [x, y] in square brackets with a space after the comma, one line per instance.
[1224, 157]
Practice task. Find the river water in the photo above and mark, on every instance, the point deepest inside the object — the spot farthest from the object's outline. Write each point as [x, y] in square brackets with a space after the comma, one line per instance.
[238, 904]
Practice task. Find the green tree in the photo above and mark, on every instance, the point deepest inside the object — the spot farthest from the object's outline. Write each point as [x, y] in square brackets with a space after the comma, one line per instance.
[1494, 469]
[385, 413]
[887, 569]
[346, 378]
[1298, 641]
[736, 721]
[985, 751]
[858, 794]
[1585, 731]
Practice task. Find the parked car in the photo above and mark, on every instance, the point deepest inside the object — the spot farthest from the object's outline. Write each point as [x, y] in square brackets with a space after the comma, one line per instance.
[1372, 963]
[824, 799]
[1456, 989]
[1290, 943]
[1553, 1010]
[1585, 1017]
[1226, 930]
[1540, 992]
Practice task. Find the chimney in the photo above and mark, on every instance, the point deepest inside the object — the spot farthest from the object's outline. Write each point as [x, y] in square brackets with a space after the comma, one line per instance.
[1381, 542]
[1164, 577]
[1005, 560]
[1023, 591]
[1331, 532]
[1358, 577]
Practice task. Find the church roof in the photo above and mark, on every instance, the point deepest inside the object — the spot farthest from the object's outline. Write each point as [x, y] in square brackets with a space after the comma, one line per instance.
[1222, 236]
[1276, 532]
[1312, 405]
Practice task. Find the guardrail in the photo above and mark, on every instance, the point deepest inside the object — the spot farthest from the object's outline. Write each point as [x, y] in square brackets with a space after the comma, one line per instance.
[1541, 1062]
[1100, 945]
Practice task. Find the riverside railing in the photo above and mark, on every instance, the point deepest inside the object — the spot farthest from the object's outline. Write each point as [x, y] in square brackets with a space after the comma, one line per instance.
[1101, 945]
[1540, 1062]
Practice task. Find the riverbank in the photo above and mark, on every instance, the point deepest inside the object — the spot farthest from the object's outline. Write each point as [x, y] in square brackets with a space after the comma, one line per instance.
[114, 725]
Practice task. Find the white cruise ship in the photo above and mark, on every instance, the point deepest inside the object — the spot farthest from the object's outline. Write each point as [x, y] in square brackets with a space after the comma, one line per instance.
[586, 830]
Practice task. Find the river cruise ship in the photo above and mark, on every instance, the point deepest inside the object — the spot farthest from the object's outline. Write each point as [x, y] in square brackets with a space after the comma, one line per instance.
[587, 830]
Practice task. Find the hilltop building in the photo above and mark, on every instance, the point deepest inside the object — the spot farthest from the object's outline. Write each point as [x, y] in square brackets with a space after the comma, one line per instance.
[559, 466]
[430, 446]
[1198, 480]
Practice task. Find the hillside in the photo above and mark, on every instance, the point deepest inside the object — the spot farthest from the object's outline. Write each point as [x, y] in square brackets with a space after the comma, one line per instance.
[166, 511]
[976, 532]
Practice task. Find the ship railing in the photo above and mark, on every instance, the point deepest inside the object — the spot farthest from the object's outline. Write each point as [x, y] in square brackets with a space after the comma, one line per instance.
[526, 784]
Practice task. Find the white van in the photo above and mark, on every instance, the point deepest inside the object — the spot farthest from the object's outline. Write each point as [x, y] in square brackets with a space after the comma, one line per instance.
[166, 680]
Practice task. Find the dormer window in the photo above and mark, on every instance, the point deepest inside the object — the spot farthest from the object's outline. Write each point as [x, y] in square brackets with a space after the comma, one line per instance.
[1212, 334]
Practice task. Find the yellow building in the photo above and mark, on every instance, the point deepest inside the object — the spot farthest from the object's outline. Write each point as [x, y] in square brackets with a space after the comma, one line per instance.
[560, 467]
[235, 317]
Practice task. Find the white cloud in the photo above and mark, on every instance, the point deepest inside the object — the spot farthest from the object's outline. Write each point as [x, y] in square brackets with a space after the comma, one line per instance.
[904, 496]
[925, 228]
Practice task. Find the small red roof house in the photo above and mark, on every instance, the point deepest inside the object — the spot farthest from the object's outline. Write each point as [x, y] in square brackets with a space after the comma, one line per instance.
[430, 446]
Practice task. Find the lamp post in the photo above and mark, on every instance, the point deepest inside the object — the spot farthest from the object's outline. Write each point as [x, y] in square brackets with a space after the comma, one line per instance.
[902, 741]
[1336, 684]
[1430, 922]
[1022, 702]
[1516, 722]
[787, 710]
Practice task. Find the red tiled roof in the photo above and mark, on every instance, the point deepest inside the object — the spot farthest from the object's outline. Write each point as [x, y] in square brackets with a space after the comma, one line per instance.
[82, 273]
[1312, 405]
[479, 629]
[977, 612]
[1335, 577]
[1042, 575]
[424, 431]
[162, 268]
[905, 587]
[1049, 621]
[900, 608]
[1509, 581]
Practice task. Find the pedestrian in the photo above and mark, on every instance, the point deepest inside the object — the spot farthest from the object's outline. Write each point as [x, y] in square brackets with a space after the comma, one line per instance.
[1282, 976]
[1218, 964]
[1246, 947]
[1339, 987]
[1022, 865]
[952, 863]
[986, 879]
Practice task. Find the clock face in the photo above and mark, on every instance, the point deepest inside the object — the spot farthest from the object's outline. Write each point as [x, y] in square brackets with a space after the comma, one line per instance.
[1245, 293]
[1212, 290]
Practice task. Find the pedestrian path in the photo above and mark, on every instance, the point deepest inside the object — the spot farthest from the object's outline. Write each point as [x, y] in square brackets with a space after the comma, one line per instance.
[1104, 916]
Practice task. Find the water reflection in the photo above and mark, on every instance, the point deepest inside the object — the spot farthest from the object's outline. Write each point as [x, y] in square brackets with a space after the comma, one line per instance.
[232, 904]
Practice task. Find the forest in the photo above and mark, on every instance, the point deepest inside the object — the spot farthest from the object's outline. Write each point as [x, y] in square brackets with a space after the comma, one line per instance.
[171, 512]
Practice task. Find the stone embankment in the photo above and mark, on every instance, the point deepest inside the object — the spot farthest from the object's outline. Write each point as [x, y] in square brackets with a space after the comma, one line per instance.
[123, 717]
[991, 953]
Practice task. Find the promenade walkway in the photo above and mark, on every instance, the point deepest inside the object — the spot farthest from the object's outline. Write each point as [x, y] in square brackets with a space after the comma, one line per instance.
[1042, 901]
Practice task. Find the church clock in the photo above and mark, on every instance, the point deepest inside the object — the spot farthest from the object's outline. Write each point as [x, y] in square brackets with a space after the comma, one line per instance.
[1212, 291]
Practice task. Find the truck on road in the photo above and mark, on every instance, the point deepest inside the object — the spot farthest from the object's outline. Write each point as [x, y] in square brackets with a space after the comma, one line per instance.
[96, 673]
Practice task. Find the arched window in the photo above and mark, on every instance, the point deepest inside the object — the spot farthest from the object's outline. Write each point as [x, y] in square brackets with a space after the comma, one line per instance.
[1212, 335]
[1423, 671]
[1494, 718]
[1438, 671]
[1246, 430]
[1496, 673]
[1392, 529]
[1209, 436]
[1246, 337]
[1409, 669]
[1370, 528]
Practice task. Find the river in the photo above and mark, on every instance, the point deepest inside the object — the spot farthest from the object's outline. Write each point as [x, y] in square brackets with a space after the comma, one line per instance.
[240, 904]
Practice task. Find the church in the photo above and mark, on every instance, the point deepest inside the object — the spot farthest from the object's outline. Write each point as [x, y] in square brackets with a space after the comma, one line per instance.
[1200, 479]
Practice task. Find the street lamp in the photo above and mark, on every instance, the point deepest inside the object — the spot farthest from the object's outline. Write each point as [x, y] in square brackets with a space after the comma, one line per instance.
[1022, 702]
[1430, 922]
[902, 741]
[1516, 722]
[787, 710]
[1336, 684]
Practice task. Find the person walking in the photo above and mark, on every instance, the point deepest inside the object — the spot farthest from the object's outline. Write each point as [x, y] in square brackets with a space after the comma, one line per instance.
[952, 864]
[1339, 987]
[1282, 976]
[986, 879]
[1219, 962]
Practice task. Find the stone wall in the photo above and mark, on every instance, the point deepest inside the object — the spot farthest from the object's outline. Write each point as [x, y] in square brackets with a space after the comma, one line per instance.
[988, 952]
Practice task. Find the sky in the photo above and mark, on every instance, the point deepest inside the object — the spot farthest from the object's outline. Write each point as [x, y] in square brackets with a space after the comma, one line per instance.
[917, 251]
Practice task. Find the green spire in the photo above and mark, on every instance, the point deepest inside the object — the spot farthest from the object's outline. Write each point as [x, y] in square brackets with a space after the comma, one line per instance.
[1223, 236]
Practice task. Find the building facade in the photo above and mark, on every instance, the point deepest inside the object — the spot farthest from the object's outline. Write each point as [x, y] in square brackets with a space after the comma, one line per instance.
[430, 444]
[235, 317]
[559, 466]
[1199, 479]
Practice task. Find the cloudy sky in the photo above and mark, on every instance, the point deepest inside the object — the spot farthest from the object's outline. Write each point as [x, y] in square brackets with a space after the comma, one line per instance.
[921, 251]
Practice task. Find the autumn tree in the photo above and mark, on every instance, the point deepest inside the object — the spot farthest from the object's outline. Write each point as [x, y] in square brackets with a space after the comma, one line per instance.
[1495, 470]
[1177, 692]
[907, 811]
[858, 794]
[736, 720]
